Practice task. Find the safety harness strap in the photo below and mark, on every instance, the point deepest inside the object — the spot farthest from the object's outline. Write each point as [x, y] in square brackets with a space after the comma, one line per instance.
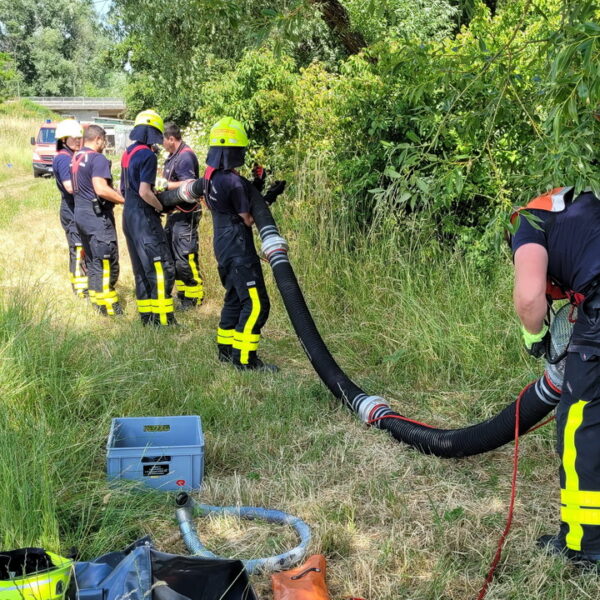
[126, 159]
[78, 158]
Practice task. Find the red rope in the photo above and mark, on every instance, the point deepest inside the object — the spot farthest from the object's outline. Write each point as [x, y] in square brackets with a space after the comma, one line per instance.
[513, 493]
[401, 418]
[541, 424]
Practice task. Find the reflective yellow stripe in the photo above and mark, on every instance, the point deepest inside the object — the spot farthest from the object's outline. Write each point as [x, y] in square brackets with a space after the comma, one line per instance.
[106, 300]
[79, 283]
[569, 459]
[92, 295]
[225, 336]
[579, 517]
[144, 306]
[160, 305]
[580, 498]
[247, 340]
[78, 259]
[195, 291]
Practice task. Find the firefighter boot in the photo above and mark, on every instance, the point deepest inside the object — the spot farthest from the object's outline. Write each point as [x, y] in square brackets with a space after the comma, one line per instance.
[149, 318]
[224, 352]
[184, 303]
[555, 544]
[254, 363]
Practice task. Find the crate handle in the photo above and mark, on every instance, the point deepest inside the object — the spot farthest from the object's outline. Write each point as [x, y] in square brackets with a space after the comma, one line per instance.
[155, 459]
[154, 428]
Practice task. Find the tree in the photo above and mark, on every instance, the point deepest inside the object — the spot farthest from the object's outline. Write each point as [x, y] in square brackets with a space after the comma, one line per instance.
[57, 45]
[7, 75]
[337, 19]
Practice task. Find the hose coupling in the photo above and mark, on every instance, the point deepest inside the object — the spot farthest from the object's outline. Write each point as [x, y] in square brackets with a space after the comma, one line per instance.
[370, 407]
[274, 244]
[186, 193]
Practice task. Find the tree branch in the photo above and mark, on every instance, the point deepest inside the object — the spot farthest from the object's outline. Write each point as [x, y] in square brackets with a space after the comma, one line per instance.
[337, 19]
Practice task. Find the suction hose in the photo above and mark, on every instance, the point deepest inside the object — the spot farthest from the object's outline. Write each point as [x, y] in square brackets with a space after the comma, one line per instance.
[188, 193]
[188, 509]
[537, 400]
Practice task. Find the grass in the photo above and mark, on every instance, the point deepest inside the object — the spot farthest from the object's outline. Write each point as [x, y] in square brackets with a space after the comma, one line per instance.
[406, 321]
[19, 122]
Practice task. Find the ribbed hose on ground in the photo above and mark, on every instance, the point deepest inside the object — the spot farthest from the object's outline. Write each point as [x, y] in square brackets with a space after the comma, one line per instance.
[537, 401]
[188, 509]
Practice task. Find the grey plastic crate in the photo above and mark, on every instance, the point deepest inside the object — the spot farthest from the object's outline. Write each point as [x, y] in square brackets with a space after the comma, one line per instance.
[166, 453]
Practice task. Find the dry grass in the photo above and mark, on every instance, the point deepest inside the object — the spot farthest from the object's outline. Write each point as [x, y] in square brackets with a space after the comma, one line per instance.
[393, 524]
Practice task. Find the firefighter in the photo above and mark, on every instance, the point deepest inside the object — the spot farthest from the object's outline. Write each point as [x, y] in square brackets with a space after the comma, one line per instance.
[151, 259]
[182, 223]
[562, 251]
[94, 200]
[68, 140]
[246, 304]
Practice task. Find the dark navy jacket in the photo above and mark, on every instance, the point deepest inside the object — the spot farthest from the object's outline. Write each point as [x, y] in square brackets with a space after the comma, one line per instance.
[61, 167]
[86, 165]
[571, 238]
[226, 197]
[181, 164]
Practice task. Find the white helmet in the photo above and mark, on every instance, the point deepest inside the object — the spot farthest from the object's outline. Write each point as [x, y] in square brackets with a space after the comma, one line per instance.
[68, 128]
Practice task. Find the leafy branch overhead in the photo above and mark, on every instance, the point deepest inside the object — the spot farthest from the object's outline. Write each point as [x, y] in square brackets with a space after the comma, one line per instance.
[452, 110]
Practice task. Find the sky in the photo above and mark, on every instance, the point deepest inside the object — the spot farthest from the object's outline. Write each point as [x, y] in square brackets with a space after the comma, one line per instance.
[102, 6]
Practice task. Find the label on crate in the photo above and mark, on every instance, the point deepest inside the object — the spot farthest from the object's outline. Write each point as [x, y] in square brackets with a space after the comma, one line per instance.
[156, 470]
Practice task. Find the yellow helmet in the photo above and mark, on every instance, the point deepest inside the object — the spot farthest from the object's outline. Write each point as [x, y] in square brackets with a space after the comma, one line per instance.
[228, 132]
[68, 128]
[49, 584]
[150, 117]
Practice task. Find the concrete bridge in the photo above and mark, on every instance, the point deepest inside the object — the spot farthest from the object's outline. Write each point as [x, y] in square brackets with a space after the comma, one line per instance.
[82, 108]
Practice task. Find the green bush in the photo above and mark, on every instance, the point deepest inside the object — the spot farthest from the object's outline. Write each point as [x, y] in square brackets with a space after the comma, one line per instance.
[455, 127]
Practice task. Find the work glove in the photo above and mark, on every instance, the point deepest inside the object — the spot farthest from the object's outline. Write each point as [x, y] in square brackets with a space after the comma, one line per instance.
[535, 343]
[161, 184]
[275, 189]
[260, 174]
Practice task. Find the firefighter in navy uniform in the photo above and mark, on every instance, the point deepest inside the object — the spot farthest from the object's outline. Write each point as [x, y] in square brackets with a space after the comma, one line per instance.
[563, 250]
[182, 223]
[151, 259]
[246, 305]
[68, 140]
[94, 200]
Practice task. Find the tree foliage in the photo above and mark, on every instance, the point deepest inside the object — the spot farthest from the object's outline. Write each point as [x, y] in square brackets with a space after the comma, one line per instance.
[7, 75]
[453, 121]
[57, 46]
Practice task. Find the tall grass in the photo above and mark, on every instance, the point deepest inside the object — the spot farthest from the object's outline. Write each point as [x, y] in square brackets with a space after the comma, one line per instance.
[406, 318]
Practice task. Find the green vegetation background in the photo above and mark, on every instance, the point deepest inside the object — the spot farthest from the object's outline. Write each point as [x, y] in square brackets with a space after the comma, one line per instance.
[452, 112]
[403, 160]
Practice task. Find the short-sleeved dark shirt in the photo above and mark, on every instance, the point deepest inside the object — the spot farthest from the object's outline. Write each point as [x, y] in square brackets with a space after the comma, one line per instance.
[228, 194]
[571, 238]
[142, 167]
[86, 165]
[227, 198]
[181, 164]
[61, 167]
